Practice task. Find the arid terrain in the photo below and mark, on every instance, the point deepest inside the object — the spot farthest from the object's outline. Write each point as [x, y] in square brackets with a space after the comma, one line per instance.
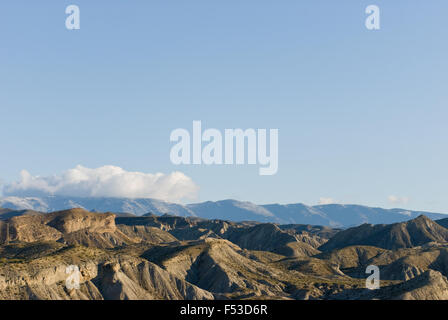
[122, 256]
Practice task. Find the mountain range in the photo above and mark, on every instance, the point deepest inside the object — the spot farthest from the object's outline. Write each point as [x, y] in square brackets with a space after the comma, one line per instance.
[332, 215]
[150, 257]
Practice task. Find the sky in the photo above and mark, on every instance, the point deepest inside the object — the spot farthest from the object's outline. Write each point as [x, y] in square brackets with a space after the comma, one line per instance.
[361, 113]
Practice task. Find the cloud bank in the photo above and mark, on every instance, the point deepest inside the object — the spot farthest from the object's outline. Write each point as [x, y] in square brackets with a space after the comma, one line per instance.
[398, 200]
[324, 200]
[106, 181]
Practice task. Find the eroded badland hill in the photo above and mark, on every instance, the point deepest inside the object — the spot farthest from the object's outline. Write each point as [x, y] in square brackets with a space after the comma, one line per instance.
[171, 257]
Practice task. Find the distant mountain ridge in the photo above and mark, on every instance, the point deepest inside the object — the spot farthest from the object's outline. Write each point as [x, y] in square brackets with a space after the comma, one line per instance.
[333, 215]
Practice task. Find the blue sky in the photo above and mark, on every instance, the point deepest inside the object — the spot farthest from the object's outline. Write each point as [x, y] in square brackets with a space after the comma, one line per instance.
[361, 114]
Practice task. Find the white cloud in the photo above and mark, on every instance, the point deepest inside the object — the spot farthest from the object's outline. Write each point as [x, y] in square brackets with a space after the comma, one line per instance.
[323, 200]
[398, 200]
[106, 181]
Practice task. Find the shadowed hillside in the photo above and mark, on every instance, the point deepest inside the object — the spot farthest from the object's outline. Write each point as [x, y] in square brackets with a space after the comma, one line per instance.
[398, 235]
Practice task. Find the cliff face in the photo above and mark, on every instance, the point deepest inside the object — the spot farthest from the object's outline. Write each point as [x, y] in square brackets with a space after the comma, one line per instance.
[431, 285]
[77, 219]
[75, 226]
[35, 259]
[124, 277]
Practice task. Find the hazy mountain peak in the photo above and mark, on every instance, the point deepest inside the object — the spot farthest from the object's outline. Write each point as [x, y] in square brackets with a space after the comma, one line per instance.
[333, 215]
